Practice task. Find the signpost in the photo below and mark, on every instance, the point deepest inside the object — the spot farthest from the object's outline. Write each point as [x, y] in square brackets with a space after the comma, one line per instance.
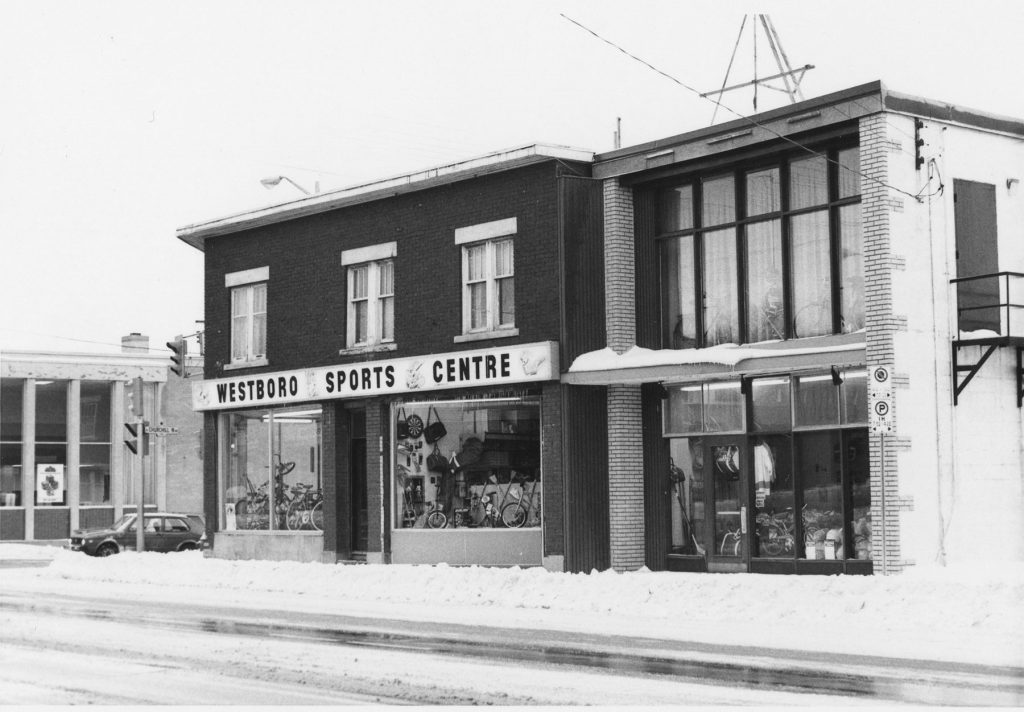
[880, 422]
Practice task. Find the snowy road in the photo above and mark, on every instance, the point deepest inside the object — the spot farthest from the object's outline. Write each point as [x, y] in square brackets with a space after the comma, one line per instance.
[116, 651]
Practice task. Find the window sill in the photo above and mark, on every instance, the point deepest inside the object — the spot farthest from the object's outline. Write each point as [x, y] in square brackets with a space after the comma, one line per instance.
[375, 348]
[484, 335]
[246, 364]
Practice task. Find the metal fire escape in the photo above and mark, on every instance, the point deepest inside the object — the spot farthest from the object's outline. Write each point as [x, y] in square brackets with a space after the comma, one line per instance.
[988, 324]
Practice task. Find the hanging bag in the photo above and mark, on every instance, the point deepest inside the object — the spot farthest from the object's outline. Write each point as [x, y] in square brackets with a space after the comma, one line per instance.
[415, 425]
[437, 462]
[402, 428]
[435, 429]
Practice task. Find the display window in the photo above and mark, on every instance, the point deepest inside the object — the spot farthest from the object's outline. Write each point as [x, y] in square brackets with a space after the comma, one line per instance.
[467, 464]
[271, 474]
[794, 485]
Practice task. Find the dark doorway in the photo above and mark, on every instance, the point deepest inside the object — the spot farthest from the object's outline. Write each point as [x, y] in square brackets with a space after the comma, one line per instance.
[976, 255]
[357, 466]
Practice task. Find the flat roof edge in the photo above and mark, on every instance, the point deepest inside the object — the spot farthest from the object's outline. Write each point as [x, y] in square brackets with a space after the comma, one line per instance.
[195, 234]
[944, 111]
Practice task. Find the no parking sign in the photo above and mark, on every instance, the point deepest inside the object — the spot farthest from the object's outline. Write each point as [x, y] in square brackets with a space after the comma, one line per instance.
[880, 400]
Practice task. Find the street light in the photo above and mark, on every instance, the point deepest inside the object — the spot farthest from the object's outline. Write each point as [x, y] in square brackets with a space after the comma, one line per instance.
[269, 183]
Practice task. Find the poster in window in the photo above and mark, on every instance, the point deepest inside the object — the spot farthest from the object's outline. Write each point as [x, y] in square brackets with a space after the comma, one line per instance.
[50, 484]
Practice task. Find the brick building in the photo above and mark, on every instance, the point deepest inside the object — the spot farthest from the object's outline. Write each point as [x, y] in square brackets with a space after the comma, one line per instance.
[341, 328]
[814, 348]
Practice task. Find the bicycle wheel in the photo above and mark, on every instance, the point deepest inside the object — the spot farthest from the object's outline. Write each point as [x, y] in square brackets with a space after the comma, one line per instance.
[316, 516]
[296, 517]
[513, 515]
[437, 520]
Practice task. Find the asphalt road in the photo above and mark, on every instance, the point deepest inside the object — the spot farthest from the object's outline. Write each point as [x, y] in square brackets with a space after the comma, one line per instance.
[710, 673]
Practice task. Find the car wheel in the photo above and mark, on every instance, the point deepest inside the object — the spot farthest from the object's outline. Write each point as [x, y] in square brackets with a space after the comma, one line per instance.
[107, 550]
[188, 546]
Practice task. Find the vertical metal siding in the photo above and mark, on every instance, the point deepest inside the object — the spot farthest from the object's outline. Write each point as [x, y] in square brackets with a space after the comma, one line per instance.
[657, 517]
[582, 271]
[585, 460]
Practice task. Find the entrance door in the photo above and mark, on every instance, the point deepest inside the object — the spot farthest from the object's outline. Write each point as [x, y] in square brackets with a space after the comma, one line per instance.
[728, 538]
[976, 254]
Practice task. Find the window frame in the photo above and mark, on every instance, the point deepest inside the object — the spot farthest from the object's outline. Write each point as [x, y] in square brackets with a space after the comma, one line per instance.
[489, 236]
[375, 301]
[245, 284]
[698, 233]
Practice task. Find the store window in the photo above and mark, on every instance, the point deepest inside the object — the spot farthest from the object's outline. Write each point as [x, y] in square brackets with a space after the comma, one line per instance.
[51, 450]
[248, 316]
[11, 405]
[467, 464]
[804, 459]
[94, 449]
[488, 279]
[271, 479]
[371, 295]
[704, 408]
[744, 261]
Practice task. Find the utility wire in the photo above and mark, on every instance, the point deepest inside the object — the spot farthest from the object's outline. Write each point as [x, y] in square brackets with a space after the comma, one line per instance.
[749, 120]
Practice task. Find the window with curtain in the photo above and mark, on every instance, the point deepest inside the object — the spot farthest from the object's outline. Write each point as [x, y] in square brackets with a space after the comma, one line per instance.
[249, 323]
[767, 252]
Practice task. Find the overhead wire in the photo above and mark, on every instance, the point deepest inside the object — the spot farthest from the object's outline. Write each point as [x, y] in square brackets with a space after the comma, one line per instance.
[732, 111]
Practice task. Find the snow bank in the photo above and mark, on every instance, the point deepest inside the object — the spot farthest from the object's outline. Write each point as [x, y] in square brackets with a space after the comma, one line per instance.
[970, 614]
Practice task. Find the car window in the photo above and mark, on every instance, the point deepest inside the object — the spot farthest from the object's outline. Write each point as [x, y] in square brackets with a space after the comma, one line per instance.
[154, 524]
[175, 525]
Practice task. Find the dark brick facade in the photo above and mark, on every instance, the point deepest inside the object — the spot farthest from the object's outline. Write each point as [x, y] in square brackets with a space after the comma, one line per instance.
[306, 305]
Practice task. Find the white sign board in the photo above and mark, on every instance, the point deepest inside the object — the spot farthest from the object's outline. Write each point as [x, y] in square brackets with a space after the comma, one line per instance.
[880, 400]
[521, 363]
[50, 484]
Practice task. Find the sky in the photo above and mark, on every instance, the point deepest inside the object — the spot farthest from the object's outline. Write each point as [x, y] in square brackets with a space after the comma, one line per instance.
[124, 121]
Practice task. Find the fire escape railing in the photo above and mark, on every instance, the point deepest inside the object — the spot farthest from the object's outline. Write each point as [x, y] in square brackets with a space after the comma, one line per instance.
[988, 316]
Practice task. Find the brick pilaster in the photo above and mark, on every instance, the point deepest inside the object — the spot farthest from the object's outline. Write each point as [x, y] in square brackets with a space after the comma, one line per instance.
[881, 326]
[619, 266]
[625, 478]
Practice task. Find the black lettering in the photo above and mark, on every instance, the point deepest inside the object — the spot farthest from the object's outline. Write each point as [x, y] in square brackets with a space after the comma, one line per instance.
[476, 362]
[463, 369]
[259, 390]
[491, 366]
[376, 372]
[222, 392]
[389, 376]
[353, 380]
[341, 379]
[293, 383]
[241, 391]
[330, 382]
[231, 390]
[450, 369]
[282, 386]
[271, 388]
[506, 368]
[438, 371]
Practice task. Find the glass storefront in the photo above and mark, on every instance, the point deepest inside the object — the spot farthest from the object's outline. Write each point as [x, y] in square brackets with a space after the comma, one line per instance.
[467, 464]
[272, 476]
[11, 404]
[94, 448]
[791, 481]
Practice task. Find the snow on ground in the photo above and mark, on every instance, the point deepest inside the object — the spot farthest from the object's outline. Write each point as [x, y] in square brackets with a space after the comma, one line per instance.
[955, 614]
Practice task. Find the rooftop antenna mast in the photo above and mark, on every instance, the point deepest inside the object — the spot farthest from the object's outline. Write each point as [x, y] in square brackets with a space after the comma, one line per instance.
[790, 77]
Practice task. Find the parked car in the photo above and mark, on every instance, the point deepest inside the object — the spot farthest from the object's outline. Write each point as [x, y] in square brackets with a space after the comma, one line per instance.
[163, 531]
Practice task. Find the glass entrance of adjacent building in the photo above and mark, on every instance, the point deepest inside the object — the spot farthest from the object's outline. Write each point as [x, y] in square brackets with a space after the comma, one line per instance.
[770, 474]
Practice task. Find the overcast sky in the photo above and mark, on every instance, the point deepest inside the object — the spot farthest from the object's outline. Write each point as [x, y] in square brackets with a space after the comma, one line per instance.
[122, 121]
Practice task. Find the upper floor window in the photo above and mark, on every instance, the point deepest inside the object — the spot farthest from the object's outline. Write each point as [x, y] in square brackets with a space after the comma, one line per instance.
[371, 295]
[248, 316]
[488, 279]
[763, 253]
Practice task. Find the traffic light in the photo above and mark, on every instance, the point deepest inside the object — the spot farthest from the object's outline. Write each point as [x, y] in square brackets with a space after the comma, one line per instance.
[137, 433]
[178, 347]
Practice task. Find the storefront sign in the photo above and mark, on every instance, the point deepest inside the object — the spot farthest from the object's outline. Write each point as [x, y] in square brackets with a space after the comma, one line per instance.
[463, 369]
[880, 400]
[50, 484]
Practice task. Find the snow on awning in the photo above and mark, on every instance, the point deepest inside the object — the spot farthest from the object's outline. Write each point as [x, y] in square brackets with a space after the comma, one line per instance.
[640, 365]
